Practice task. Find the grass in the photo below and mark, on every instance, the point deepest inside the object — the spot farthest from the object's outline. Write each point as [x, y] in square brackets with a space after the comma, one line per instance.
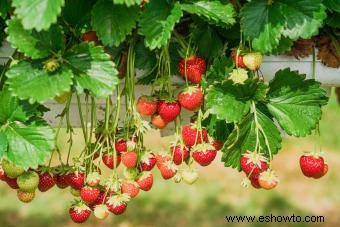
[215, 195]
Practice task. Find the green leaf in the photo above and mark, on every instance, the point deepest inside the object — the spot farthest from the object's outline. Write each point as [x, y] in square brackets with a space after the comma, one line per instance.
[113, 22]
[285, 44]
[10, 109]
[158, 21]
[333, 20]
[4, 7]
[146, 61]
[265, 22]
[3, 144]
[77, 12]
[333, 5]
[28, 146]
[214, 11]
[209, 43]
[35, 44]
[217, 129]
[226, 102]
[218, 71]
[38, 14]
[295, 102]
[243, 138]
[93, 69]
[128, 2]
[31, 81]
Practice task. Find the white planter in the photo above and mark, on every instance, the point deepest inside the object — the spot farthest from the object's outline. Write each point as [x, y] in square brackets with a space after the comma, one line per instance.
[326, 75]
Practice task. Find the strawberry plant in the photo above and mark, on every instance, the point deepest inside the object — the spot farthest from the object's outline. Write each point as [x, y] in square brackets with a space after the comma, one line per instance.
[203, 57]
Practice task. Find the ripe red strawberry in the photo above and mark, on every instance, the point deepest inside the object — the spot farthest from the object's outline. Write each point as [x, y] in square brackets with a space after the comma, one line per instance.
[191, 98]
[204, 153]
[325, 170]
[158, 122]
[148, 161]
[108, 160]
[161, 159]
[190, 134]
[79, 212]
[12, 182]
[239, 62]
[130, 188]
[253, 163]
[312, 165]
[218, 144]
[254, 180]
[61, 180]
[101, 198]
[90, 36]
[117, 203]
[121, 146]
[146, 105]
[25, 197]
[168, 170]
[179, 154]
[89, 194]
[129, 159]
[169, 110]
[193, 68]
[46, 182]
[268, 179]
[76, 180]
[145, 181]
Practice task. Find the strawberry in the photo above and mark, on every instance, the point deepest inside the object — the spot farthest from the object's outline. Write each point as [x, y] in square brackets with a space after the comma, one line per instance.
[93, 179]
[61, 99]
[189, 175]
[79, 212]
[2, 174]
[75, 192]
[325, 170]
[161, 159]
[218, 144]
[25, 197]
[253, 163]
[101, 198]
[193, 68]
[179, 154]
[204, 153]
[189, 134]
[89, 194]
[169, 110]
[268, 179]
[148, 161]
[121, 146]
[239, 62]
[52, 64]
[254, 180]
[12, 182]
[158, 122]
[117, 203]
[76, 180]
[130, 188]
[168, 170]
[46, 182]
[191, 98]
[28, 181]
[129, 159]
[109, 161]
[146, 105]
[130, 173]
[101, 211]
[61, 180]
[11, 170]
[252, 60]
[90, 36]
[145, 181]
[312, 165]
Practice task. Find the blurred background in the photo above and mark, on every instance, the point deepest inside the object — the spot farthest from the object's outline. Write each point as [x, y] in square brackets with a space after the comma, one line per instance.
[216, 194]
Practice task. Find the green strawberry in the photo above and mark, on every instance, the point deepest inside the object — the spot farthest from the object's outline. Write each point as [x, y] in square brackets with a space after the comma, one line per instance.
[11, 170]
[28, 181]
